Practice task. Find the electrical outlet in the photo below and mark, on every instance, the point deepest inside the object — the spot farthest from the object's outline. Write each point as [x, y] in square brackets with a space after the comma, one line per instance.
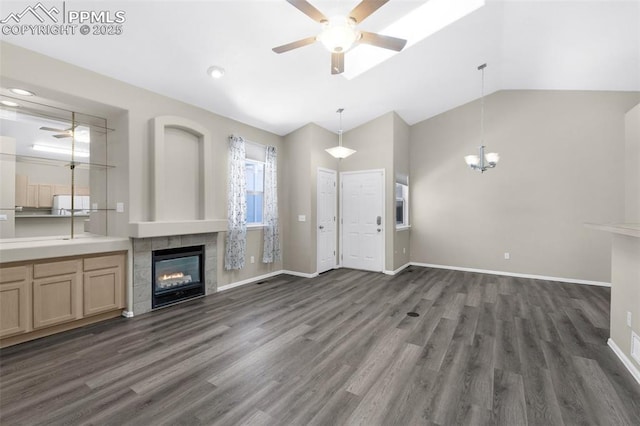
[404, 250]
[253, 259]
[302, 218]
[507, 256]
[628, 319]
[120, 207]
[3, 217]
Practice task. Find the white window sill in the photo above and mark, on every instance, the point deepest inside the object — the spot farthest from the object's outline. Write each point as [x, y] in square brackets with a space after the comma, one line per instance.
[403, 227]
[254, 226]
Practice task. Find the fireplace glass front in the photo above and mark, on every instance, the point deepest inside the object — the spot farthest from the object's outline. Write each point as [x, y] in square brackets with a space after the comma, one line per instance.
[178, 275]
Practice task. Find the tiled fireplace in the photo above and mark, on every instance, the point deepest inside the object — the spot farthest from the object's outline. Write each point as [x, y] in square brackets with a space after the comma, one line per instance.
[167, 289]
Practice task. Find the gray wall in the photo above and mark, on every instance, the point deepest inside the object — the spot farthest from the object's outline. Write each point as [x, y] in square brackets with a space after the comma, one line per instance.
[130, 149]
[8, 188]
[401, 162]
[632, 166]
[562, 157]
[373, 142]
[304, 153]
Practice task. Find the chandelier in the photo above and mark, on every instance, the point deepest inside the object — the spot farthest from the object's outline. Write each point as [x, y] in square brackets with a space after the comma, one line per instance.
[482, 161]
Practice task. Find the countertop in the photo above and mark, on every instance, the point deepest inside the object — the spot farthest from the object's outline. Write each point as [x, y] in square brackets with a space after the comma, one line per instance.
[20, 249]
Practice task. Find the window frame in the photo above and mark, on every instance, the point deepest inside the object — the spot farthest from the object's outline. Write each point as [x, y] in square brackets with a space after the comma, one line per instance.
[247, 192]
[405, 224]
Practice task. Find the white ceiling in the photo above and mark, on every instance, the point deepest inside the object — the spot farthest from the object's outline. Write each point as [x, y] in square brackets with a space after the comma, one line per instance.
[167, 47]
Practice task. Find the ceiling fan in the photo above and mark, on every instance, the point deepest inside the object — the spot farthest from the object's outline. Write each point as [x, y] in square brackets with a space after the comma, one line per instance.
[339, 34]
[62, 133]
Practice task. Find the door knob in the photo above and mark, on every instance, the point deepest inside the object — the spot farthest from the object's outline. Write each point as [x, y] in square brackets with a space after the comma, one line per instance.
[321, 227]
[379, 230]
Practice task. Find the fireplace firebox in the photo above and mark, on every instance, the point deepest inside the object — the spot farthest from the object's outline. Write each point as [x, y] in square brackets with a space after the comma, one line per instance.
[178, 274]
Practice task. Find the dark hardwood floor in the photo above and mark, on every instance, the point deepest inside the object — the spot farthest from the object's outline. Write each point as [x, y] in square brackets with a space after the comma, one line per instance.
[337, 349]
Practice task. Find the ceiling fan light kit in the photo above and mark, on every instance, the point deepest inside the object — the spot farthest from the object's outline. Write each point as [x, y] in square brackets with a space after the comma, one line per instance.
[482, 162]
[340, 33]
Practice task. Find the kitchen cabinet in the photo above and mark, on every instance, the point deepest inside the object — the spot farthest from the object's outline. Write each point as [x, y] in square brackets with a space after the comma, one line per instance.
[14, 300]
[44, 297]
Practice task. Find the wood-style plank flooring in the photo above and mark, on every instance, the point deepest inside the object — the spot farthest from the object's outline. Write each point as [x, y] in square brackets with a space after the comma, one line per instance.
[337, 350]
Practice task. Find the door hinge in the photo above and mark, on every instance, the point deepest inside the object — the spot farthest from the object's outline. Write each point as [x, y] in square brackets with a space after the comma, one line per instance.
[334, 252]
[334, 218]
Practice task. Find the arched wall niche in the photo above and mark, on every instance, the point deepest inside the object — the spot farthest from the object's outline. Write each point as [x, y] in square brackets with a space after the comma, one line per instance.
[181, 170]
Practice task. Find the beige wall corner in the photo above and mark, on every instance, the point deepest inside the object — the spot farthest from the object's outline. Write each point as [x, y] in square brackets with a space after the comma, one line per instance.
[632, 165]
[561, 157]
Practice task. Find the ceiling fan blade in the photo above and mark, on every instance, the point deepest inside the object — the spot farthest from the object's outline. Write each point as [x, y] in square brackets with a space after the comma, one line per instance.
[386, 42]
[63, 135]
[294, 45]
[366, 8]
[308, 9]
[337, 63]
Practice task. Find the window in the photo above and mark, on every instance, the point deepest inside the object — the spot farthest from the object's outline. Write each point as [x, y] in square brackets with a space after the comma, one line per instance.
[254, 173]
[402, 205]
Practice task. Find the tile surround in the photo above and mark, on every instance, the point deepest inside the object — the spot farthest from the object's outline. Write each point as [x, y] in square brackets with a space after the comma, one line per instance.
[142, 248]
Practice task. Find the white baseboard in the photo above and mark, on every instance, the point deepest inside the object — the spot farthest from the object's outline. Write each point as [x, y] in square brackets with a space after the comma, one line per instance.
[127, 314]
[264, 277]
[249, 280]
[406, 265]
[300, 274]
[514, 274]
[626, 361]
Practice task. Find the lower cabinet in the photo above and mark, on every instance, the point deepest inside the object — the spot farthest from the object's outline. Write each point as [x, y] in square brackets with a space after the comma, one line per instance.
[14, 300]
[53, 295]
[54, 300]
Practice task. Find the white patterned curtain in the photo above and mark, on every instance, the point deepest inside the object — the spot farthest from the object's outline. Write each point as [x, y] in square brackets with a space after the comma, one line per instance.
[270, 215]
[236, 206]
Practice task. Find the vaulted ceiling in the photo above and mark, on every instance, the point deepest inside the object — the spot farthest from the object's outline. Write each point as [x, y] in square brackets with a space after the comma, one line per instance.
[167, 46]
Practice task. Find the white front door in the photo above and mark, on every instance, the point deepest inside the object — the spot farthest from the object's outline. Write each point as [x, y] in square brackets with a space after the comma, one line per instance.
[362, 219]
[326, 226]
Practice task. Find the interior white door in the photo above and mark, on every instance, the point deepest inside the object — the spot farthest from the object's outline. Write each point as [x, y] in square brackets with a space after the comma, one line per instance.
[326, 226]
[362, 220]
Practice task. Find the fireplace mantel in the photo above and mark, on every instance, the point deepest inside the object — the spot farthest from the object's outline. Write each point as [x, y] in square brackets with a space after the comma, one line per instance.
[181, 227]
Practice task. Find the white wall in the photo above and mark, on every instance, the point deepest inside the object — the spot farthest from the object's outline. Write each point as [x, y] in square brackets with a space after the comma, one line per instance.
[562, 157]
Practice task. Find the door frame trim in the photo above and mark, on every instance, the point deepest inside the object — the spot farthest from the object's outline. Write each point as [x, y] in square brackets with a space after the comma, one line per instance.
[335, 214]
[384, 218]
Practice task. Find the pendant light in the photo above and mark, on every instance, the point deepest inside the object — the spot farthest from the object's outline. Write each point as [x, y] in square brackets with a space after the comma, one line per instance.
[340, 151]
[482, 161]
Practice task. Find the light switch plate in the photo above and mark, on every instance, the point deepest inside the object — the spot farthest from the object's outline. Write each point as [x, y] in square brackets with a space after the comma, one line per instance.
[302, 218]
[120, 207]
[3, 217]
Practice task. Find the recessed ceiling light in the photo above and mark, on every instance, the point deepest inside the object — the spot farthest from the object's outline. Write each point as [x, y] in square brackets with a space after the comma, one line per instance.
[9, 103]
[21, 92]
[215, 71]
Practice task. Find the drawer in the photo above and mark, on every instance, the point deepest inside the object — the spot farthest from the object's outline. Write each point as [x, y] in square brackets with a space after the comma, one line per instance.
[13, 274]
[103, 262]
[51, 269]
